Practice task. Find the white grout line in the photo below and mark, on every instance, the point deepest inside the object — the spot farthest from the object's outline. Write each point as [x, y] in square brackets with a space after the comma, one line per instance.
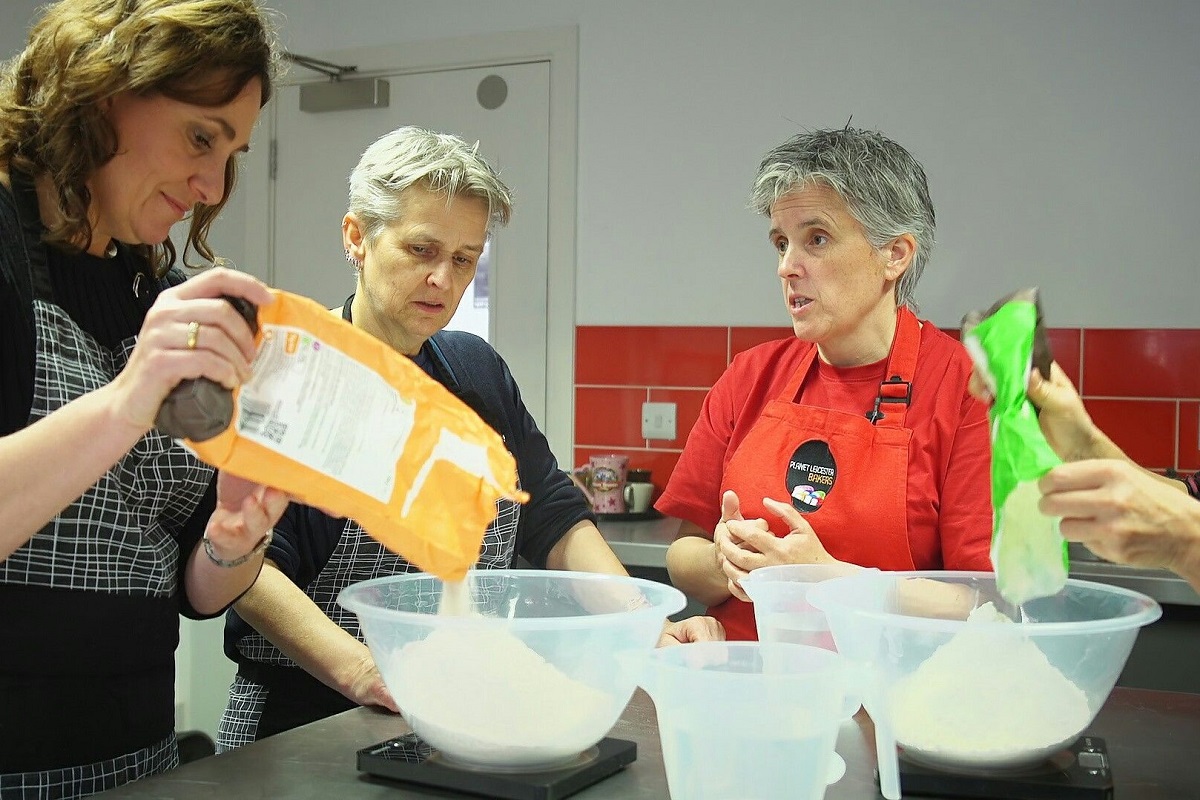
[1079, 371]
[628, 448]
[647, 387]
[1135, 399]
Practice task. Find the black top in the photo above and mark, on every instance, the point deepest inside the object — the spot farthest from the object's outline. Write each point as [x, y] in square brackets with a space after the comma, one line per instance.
[73, 662]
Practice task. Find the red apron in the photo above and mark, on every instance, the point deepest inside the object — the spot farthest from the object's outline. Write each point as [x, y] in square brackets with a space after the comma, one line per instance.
[846, 472]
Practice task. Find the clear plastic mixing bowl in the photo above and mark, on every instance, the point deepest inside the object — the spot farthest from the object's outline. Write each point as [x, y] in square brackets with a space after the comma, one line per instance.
[531, 678]
[962, 679]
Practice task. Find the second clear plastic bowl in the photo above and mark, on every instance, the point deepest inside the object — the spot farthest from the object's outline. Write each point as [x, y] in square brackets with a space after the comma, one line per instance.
[981, 695]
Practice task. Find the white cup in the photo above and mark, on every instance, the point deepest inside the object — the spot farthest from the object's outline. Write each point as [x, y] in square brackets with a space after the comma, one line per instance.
[637, 497]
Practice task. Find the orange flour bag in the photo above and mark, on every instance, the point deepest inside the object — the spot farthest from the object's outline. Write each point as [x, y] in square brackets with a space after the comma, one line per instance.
[341, 421]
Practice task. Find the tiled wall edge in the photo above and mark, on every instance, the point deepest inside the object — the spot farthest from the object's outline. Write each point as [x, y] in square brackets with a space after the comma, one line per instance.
[648, 387]
[1179, 414]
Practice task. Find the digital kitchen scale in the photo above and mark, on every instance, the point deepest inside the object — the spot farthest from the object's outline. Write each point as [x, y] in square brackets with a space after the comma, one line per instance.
[1079, 772]
[412, 760]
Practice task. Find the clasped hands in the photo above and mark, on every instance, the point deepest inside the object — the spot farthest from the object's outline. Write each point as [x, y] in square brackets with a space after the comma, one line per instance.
[742, 545]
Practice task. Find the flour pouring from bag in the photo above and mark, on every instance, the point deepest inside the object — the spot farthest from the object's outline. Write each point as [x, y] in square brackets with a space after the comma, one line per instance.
[1028, 552]
[341, 421]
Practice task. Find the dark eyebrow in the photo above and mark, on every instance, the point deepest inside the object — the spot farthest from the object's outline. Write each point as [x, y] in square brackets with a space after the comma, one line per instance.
[229, 132]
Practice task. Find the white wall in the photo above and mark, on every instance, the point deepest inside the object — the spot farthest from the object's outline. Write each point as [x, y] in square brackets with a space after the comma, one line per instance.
[1059, 137]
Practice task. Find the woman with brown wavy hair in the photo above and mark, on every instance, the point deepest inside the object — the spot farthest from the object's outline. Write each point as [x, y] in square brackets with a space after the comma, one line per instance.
[119, 119]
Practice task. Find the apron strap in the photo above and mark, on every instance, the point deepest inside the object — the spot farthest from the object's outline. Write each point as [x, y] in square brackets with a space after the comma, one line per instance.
[25, 199]
[896, 390]
[791, 391]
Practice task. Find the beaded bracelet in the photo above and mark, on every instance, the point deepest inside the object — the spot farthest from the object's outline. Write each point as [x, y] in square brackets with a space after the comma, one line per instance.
[236, 562]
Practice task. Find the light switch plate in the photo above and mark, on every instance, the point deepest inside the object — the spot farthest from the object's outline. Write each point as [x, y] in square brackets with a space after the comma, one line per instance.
[658, 420]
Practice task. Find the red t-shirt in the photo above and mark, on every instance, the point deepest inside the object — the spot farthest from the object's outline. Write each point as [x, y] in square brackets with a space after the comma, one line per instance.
[949, 476]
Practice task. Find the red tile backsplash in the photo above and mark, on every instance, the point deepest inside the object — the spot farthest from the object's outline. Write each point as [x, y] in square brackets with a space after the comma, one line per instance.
[744, 338]
[1141, 363]
[1066, 349]
[1144, 429]
[1141, 386]
[644, 356]
[609, 417]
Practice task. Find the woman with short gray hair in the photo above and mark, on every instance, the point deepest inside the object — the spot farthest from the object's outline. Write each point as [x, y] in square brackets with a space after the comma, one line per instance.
[855, 441]
[408, 156]
[422, 205]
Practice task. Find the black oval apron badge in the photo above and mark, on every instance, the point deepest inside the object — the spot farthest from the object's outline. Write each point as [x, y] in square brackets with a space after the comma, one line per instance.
[810, 475]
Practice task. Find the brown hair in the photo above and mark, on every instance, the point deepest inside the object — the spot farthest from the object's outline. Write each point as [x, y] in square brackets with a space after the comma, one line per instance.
[82, 52]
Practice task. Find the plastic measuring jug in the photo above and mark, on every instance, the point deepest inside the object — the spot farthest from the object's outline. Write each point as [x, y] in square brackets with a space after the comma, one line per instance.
[752, 720]
[782, 612]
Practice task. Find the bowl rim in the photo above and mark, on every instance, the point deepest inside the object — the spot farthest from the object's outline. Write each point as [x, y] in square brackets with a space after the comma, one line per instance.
[664, 659]
[672, 601]
[771, 573]
[1148, 611]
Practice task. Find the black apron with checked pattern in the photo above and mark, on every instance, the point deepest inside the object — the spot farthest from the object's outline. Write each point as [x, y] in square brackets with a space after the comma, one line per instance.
[113, 541]
[274, 694]
[278, 695]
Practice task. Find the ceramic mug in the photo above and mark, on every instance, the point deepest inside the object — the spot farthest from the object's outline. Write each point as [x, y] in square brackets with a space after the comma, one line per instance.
[608, 483]
[637, 496]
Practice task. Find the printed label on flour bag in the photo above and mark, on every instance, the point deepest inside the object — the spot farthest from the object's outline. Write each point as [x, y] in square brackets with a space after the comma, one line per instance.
[341, 421]
[314, 404]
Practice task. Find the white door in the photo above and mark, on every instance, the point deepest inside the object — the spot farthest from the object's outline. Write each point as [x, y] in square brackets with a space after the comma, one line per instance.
[315, 152]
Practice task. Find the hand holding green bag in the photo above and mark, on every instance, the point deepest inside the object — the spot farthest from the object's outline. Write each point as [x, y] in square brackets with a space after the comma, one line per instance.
[1028, 552]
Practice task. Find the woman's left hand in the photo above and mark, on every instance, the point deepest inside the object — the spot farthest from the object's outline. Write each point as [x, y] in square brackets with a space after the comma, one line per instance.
[692, 629]
[761, 548]
[801, 545]
[245, 512]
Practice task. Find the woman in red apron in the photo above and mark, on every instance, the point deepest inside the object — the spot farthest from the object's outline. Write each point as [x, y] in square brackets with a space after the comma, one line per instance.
[857, 441]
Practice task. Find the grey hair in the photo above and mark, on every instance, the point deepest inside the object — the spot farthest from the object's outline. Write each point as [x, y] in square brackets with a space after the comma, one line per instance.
[883, 187]
[440, 162]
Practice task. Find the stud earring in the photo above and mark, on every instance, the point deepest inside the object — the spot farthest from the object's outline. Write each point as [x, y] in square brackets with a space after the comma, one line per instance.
[354, 262]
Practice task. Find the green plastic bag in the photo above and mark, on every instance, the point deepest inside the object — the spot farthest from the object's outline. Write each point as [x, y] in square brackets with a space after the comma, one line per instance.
[1028, 551]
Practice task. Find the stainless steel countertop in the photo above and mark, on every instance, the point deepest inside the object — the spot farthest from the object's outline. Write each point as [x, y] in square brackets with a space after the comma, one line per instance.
[644, 543]
[1152, 739]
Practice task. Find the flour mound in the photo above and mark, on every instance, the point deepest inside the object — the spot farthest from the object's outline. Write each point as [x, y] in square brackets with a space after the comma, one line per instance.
[987, 696]
[481, 695]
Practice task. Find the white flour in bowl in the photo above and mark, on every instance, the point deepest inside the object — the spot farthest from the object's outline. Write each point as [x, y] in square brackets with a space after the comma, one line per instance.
[987, 696]
[481, 695]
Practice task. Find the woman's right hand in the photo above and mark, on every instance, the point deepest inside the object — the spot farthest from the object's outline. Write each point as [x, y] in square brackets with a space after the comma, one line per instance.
[730, 548]
[1064, 421]
[223, 347]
